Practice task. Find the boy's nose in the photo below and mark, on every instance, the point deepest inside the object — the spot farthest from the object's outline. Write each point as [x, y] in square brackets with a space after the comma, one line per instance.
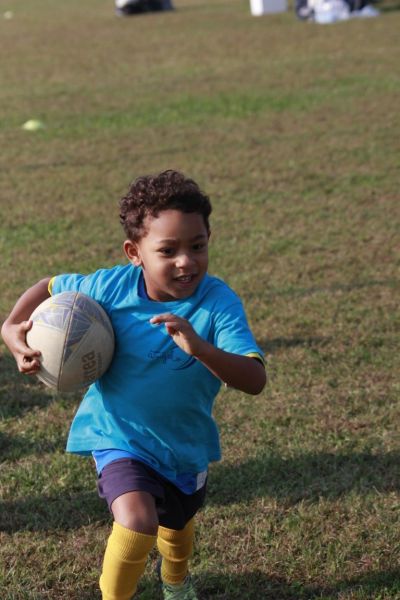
[183, 260]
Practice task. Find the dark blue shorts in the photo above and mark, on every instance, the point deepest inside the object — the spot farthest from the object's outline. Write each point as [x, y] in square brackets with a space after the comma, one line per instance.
[174, 508]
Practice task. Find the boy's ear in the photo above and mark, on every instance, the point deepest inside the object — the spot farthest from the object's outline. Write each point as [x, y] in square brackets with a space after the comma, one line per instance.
[131, 250]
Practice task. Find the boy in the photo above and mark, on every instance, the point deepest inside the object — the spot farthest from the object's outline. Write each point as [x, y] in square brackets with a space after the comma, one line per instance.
[148, 421]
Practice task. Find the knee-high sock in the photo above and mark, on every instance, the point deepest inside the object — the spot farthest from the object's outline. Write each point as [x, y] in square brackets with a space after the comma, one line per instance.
[124, 562]
[176, 548]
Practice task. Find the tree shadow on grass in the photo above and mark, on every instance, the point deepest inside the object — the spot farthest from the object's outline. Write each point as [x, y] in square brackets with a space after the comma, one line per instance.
[19, 393]
[45, 513]
[388, 8]
[258, 586]
[255, 585]
[304, 477]
[270, 346]
[295, 291]
[13, 447]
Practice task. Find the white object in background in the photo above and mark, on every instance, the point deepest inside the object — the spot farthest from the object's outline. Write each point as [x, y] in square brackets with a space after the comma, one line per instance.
[32, 125]
[331, 11]
[366, 12]
[264, 7]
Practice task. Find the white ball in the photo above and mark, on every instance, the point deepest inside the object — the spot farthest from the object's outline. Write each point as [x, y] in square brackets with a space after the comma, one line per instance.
[76, 340]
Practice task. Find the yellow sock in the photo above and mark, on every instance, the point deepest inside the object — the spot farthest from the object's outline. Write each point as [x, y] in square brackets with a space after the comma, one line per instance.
[176, 548]
[124, 562]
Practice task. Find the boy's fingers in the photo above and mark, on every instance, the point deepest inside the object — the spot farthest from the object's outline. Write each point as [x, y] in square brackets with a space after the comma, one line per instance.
[30, 372]
[173, 326]
[30, 360]
[163, 318]
[31, 353]
[28, 352]
[25, 349]
[29, 367]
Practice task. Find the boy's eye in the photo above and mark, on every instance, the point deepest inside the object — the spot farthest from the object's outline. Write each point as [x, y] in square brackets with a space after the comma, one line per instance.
[199, 246]
[166, 251]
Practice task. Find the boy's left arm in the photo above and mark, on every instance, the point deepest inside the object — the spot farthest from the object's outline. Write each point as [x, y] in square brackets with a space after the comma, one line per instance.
[244, 373]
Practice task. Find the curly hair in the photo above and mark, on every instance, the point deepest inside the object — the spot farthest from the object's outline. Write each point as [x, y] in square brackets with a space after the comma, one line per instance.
[151, 194]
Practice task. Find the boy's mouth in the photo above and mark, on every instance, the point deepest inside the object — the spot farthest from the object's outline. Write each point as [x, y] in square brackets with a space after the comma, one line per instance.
[185, 278]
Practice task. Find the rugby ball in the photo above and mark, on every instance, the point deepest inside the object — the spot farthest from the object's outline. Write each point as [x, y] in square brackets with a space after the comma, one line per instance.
[76, 340]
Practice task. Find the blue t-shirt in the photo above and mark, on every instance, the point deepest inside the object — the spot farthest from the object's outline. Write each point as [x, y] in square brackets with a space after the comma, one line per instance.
[188, 483]
[155, 400]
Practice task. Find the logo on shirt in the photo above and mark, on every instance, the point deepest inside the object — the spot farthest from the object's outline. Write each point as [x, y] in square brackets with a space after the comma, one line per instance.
[174, 358]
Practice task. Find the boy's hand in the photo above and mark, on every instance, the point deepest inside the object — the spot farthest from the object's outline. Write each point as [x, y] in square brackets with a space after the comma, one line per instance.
[241, 372]
[26, 358]
[181, 331]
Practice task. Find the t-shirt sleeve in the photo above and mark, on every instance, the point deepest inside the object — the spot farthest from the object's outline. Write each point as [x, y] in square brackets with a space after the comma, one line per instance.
[98, 285]
[106, 286]
[71, 282]
[232, 332]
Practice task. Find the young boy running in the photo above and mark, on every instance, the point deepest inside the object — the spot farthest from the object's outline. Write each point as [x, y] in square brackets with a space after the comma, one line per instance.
[148, 421]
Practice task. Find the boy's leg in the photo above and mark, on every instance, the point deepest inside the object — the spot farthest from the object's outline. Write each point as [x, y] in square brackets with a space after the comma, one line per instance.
[175, 547]
[133, 536]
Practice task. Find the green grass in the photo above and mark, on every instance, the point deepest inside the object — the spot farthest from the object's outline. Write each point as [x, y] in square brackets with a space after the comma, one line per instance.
[293, 129]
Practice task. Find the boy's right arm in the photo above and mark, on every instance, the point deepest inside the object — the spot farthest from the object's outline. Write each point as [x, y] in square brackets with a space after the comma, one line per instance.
[17, 324]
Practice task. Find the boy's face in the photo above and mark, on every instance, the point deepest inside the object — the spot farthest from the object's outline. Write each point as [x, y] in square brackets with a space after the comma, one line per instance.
[173, 253]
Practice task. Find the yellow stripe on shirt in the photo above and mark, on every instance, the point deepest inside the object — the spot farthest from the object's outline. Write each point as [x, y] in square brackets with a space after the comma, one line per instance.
[257, 356]
[50, 286]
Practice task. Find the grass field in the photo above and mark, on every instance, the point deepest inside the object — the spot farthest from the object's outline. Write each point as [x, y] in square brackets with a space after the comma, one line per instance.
[294, 131]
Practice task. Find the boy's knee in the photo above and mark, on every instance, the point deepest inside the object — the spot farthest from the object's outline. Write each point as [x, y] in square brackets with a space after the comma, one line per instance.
[136, 511]
[138, 523]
